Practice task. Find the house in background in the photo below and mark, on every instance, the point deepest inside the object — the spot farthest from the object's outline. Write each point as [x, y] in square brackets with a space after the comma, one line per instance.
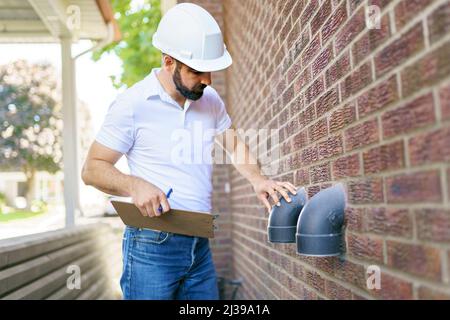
[48, 187]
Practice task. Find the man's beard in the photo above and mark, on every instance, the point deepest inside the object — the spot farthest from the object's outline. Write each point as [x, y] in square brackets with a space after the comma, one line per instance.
[194, 94]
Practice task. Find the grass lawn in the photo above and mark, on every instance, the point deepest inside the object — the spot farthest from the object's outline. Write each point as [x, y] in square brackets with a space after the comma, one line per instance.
[19, 214]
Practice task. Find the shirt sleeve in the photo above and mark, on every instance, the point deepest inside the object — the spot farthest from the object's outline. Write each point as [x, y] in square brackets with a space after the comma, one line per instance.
[117, 130]
[223, 120]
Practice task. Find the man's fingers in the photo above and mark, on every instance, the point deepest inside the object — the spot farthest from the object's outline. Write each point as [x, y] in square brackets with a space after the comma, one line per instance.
[289, 186]
[283, 193]
[165, 204]
[292, 188]
[149, 210]
[155, 207]
[143, 211]
[275, 198]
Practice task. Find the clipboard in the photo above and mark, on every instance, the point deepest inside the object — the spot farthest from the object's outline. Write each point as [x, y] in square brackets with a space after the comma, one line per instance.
[191, 223]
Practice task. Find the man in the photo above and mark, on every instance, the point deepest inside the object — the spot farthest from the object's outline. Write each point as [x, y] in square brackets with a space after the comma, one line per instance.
[144, 123]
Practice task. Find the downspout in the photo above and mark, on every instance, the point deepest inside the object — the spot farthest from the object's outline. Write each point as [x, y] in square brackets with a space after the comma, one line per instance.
[102, 43]
[319, 228]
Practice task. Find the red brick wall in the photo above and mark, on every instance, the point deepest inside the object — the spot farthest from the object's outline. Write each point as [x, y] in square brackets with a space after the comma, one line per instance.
[368, 108]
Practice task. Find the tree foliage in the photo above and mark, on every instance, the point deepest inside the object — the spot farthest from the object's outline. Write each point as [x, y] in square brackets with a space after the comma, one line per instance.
[30, 119]
[138, 21]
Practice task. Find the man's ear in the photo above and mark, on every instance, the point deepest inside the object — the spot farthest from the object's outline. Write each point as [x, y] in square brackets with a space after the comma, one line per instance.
[169, 62]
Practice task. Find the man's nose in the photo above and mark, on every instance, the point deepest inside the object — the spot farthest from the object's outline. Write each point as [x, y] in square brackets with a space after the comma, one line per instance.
[206, 78]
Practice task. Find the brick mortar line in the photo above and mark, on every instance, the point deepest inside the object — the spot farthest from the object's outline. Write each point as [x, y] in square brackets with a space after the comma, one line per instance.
[255, 216]
[311, 268]
[398, 82]
[391, 16]
[426, 32]
[240, 213]
[398, 206]
[248, 216]
[236, 189]
[240, 197]
[444, 186]
[403, 240]
[265, 220]
[348, 9]
[446, 170]
[437, 104]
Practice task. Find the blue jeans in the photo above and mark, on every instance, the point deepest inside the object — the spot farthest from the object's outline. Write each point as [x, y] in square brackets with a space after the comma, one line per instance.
[161, 265]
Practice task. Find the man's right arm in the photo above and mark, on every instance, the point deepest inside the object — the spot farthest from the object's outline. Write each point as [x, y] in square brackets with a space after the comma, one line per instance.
[99, 171]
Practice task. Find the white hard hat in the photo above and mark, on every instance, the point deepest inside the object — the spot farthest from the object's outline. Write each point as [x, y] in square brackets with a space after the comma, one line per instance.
[188, 33]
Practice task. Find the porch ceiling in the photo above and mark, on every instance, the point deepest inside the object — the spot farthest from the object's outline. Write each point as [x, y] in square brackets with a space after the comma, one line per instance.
[46, 20]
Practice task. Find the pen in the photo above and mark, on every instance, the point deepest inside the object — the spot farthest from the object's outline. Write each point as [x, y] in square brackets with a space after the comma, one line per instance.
[167, 196]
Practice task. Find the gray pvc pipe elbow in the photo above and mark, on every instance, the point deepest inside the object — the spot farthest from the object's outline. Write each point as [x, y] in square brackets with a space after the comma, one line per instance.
[319, 228]
[282, 224]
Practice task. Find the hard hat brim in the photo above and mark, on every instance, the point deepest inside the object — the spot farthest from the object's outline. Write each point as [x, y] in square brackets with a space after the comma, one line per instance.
[209, 65]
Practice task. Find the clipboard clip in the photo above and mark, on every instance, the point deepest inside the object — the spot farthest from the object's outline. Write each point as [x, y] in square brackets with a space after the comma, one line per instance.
[215, 216]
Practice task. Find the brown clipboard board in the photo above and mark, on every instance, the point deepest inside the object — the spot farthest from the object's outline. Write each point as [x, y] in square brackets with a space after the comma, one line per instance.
[191, 223]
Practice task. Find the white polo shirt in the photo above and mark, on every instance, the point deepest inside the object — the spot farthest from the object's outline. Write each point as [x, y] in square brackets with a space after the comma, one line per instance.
[165, 144]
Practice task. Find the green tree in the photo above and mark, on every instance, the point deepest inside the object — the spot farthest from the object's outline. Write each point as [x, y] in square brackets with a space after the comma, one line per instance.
[138, 21]
[30, 120]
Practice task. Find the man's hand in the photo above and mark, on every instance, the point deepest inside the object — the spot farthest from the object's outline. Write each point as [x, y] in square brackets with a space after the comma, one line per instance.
[147, 197]
[266, 188]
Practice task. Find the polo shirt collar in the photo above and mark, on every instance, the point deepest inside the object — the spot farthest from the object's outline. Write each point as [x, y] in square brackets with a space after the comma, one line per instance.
[155, 88]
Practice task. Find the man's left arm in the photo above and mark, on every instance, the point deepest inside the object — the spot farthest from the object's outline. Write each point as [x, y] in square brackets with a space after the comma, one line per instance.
[247, 165]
